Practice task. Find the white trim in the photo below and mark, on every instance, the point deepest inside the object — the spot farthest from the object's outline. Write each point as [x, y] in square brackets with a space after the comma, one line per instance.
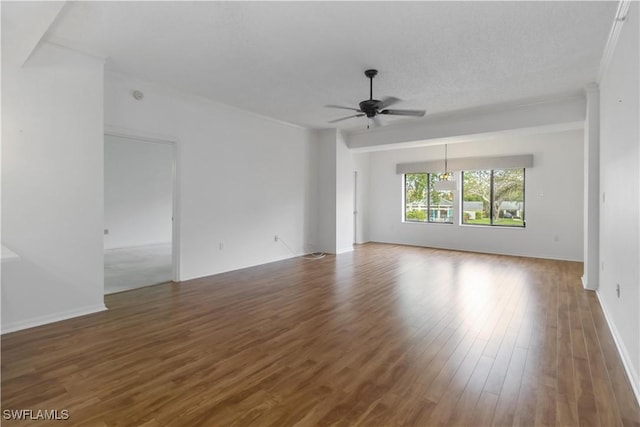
[175, 225]
[584, 283]
[175, 215]
[51, 318]
[622, 351]
[54, 41]
[614, 34]
[138, 134]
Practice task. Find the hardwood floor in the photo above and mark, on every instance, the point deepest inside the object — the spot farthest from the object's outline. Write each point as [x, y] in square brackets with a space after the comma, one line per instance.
[384, 336]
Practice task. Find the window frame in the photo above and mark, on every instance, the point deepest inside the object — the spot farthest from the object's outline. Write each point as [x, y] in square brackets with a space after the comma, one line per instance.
[491, 199]
[427, 200]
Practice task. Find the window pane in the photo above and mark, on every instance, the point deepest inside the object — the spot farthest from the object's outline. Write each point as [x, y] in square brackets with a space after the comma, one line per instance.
[508, 197]
[415, 196]
[476, 194]
[440, 202]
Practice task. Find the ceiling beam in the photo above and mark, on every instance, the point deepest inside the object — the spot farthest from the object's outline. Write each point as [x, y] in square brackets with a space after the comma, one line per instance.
[554, 115]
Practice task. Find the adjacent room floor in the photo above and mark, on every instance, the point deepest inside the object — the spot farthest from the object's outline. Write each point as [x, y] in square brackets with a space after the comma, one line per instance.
[383, 336]
[136, 267]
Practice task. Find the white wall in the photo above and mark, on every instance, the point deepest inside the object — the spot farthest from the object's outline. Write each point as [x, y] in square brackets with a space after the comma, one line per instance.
[52, 186]
[242, 178]
[138, 179]
[619, 185]
[553, 199]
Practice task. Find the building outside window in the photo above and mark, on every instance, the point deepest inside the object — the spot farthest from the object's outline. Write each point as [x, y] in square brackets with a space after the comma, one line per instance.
[423, 203]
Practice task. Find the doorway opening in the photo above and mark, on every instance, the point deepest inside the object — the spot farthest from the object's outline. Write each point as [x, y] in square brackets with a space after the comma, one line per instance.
[140, 244]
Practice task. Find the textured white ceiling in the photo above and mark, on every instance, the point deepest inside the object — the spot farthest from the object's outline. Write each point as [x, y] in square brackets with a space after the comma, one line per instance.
[287, 60]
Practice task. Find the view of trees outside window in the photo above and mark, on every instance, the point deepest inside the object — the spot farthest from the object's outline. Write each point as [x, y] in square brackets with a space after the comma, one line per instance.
[493, 197]
[423, 203]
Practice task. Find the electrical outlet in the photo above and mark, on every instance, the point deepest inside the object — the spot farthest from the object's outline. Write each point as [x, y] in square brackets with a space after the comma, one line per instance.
[276, 238]
[618, 289]
[221, 246]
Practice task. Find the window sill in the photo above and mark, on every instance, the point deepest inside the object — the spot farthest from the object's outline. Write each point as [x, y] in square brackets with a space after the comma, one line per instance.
[508, 227]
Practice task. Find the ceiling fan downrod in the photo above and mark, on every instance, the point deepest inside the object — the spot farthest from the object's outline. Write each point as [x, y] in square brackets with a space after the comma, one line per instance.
[371, 74]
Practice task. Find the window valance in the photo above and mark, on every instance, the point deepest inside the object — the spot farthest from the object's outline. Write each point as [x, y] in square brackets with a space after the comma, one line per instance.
[468, 164]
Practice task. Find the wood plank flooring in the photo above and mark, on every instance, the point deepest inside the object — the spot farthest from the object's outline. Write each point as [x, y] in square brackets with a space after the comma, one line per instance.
[384, 336]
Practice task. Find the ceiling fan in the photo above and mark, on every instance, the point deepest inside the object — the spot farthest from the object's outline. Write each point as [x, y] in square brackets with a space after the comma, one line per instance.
[372, 107]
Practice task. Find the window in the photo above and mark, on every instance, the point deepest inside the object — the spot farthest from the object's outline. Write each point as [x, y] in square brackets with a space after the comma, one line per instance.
[493, 197]
[423, 203]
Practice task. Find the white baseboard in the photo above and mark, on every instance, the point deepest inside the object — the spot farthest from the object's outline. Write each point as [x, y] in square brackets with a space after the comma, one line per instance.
[622, 350]
[56, 317]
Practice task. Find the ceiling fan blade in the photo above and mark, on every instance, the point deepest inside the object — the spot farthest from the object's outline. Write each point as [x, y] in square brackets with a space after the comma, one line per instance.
[345, 118]
[387, 101]
[416, 113]
[343, 108]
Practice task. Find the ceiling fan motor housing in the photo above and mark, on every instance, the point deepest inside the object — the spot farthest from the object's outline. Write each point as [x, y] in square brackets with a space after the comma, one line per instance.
[370, 107]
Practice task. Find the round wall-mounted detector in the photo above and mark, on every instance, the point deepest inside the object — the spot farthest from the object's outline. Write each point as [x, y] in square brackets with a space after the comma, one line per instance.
[138, 95]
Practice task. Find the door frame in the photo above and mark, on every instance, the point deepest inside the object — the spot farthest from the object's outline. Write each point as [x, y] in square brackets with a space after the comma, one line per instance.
[355, 207]
[142, 136]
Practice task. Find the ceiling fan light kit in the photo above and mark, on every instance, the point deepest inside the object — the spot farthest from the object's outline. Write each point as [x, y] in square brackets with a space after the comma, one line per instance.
[373, 107]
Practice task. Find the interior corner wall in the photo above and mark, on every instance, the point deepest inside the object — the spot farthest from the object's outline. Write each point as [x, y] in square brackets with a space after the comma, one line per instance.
[345, 207]
[325, 154]
[553, 207]
[242, 178]
[620, 191]
[52, 187]
[361, 164]
[591, 227]
[335, 193]
[138, 204]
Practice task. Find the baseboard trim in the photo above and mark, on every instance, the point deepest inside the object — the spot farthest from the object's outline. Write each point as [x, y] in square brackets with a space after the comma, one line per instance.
[51, 318]
[622, 351]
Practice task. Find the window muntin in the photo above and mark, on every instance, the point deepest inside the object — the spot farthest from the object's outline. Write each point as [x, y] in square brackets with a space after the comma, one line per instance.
[423, 203]
[493, 197]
